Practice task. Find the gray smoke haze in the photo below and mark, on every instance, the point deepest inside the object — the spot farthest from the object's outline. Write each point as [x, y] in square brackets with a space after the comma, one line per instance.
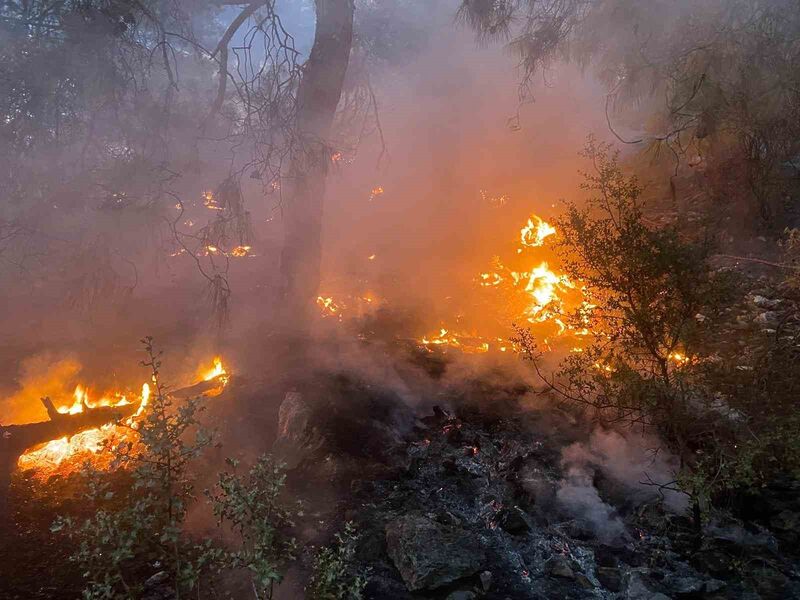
[626, 459]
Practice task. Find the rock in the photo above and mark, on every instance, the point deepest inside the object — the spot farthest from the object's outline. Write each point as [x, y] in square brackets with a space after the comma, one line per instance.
[579, 530]
[786, 520]
[486, 580]
[461, 595]
[559, 566]
[429, 555]
[770, 584]
[296, 438]
[513, 521]
[157, 587]
[767, 318]
[638, 587]
[610, 578]
[686, 585]
[158, 579]
[380, 586]
[766, 303]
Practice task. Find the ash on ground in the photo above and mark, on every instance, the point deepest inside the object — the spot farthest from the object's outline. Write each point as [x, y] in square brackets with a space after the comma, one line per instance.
[476, 493]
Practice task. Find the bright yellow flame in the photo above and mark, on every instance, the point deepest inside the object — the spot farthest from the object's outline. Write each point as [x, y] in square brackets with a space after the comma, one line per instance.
[216, 371]
[535, 231]
[679, 358]
[543, 287]
[328, 306]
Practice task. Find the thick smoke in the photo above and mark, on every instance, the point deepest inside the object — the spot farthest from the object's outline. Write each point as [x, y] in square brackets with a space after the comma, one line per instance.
[630, 463]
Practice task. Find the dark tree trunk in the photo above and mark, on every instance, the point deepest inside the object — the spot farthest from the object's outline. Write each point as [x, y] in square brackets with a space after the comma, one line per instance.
[317, 98]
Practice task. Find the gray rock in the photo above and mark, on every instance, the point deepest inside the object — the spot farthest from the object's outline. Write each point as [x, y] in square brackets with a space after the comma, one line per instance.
[786, 520]
[513, 521]
[296, 438]
[610, 578]
[430, 555]
[767, 303]
[461, 595]
[159, 578]
[486, 580]
[559, 566]
[639, 588]
[767, 318]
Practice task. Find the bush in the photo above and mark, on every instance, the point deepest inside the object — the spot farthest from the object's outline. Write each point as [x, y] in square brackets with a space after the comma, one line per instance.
[659, 359]
[140, 511]
[251, 506]
[334, 576]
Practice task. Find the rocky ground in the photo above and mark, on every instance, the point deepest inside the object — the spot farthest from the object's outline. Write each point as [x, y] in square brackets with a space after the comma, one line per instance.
[469, 498]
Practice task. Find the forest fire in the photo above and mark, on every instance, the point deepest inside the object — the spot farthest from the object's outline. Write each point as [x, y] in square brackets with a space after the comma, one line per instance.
[67, 454]
[538, 295]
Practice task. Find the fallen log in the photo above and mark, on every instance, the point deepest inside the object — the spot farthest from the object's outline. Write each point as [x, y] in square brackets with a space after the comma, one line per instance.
[15, 440]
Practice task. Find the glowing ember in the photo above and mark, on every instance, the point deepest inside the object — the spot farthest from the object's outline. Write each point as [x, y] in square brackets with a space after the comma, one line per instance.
[329, 307]
[240, 251]
[465, 342]
[65, 455]
[376, 191]
[209, 201]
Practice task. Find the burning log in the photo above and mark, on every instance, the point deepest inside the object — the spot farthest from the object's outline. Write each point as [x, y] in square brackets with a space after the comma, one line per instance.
[15, 440]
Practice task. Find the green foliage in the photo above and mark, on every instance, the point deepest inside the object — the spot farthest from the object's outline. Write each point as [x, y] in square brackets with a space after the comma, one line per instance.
[140, 508]
[715, 80]
[661, 356]
[143, 522]
[333, 576]
[251, 506]
[651, 282]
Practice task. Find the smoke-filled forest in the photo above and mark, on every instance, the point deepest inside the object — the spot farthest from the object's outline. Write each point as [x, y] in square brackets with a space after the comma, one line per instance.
[399, 299]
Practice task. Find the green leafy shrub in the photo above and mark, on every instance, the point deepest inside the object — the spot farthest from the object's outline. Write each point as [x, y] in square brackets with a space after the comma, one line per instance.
[661, 356]
[251, 506]
[334, 577]
[137, 529]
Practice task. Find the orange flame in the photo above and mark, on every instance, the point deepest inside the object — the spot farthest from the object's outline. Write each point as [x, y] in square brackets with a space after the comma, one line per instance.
[65, 455]
[535, 232]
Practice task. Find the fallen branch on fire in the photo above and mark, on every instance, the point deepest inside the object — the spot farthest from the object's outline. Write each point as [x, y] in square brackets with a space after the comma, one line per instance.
[15, 440]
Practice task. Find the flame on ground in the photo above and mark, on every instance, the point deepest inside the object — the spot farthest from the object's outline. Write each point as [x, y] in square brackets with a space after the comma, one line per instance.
[65, 455]
[535, 232]
[537, 294]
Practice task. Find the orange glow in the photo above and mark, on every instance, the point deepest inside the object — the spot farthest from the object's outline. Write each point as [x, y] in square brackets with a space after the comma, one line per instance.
[329, 307]
[240, 251]
[66, 455]
[209, 201]
[536, 293]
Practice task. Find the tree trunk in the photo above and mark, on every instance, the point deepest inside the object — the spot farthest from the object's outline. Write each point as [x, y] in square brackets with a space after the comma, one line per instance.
[317, 98]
